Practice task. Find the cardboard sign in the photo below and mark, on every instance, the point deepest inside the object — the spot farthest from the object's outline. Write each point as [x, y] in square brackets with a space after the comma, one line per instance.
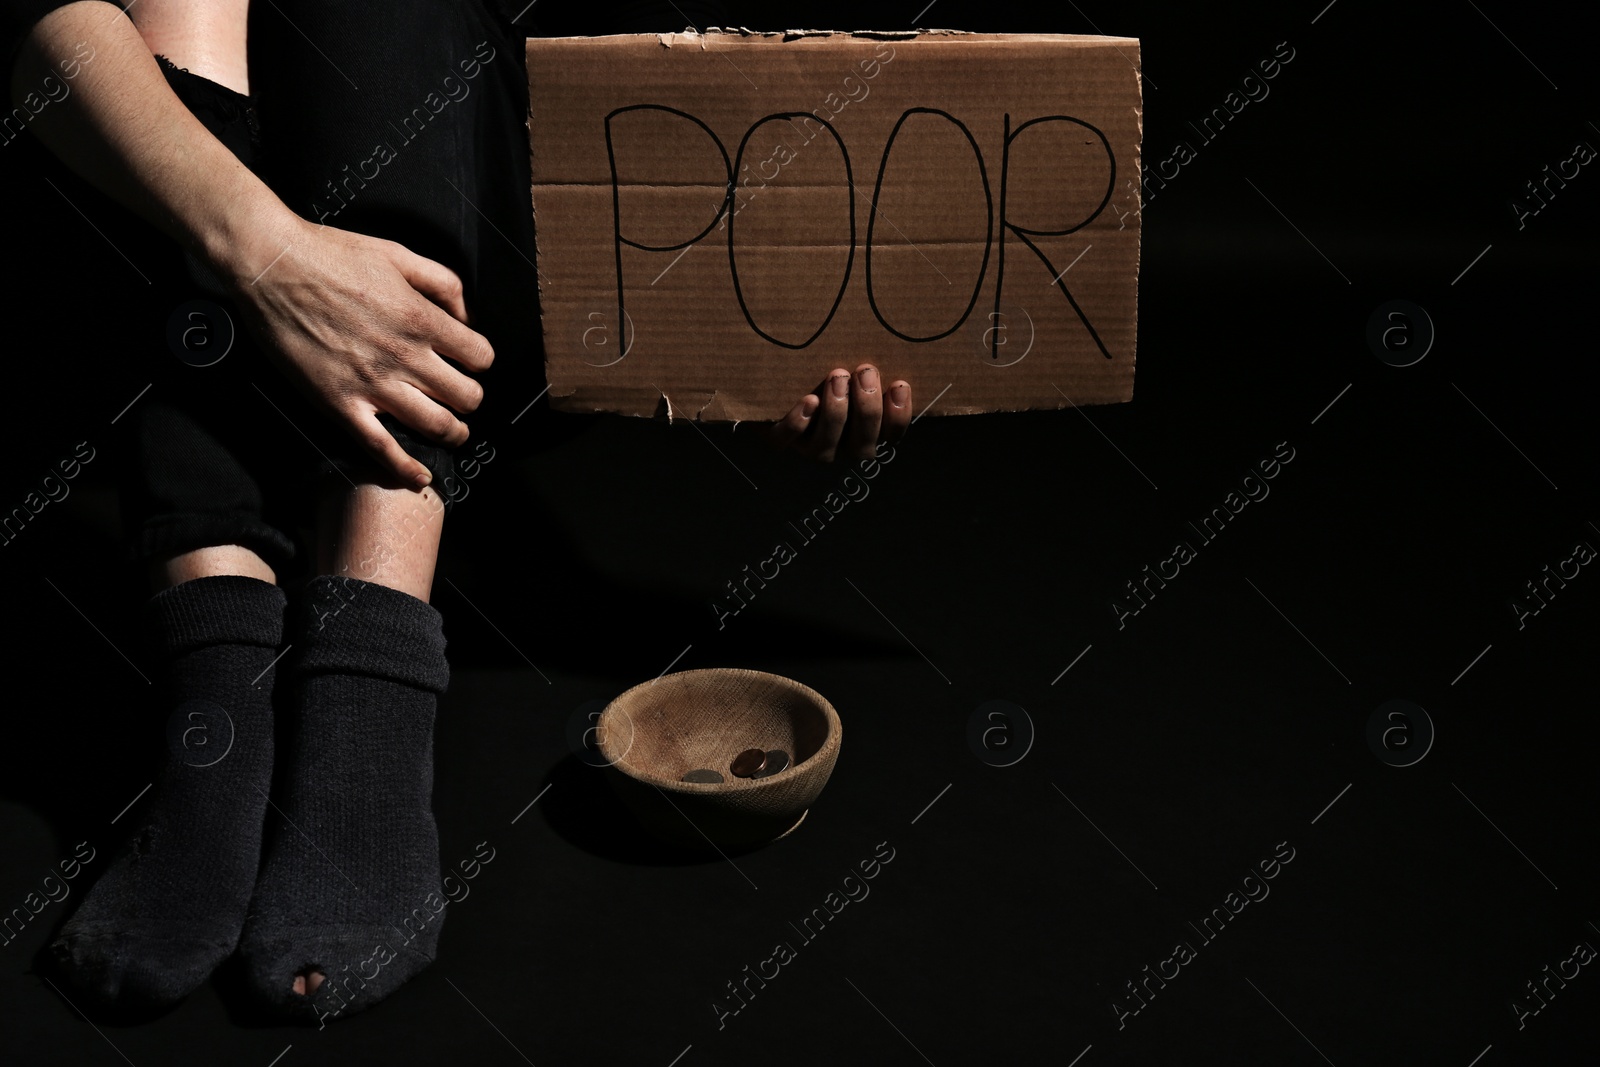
[724, 218]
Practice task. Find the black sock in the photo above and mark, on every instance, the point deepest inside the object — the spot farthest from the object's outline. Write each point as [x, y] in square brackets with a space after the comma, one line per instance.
[164, 915]
[351, 883]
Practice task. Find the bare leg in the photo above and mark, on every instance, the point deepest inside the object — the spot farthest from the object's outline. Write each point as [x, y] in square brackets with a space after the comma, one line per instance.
[386, 536]
[207, 563]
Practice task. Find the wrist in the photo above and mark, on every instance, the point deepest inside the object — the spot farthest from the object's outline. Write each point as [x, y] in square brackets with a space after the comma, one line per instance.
[248, 236]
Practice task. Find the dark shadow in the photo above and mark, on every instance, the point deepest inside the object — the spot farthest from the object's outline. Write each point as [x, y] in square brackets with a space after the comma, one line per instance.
[45, 965]
[592, 818]
[79, 740]
[559, 610]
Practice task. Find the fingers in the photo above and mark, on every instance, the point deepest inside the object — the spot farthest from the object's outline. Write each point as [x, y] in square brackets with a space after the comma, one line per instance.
[866, 414]
[415, 409]
[827, 426]
[846, 416]
[419, 394]
[434, 280]
[788, 430]
[454, 341]
[438, 380]
[448, 333]
[386, 450]
[897, 411]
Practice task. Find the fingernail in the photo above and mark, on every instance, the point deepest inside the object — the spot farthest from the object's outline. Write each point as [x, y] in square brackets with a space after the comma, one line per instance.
[899, 393]
[869, 379]
[424, 480]
[841, 385]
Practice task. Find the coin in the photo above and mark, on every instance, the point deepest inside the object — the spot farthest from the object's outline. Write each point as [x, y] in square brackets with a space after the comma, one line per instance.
[748, 763]
[777, 760]
[703, 774]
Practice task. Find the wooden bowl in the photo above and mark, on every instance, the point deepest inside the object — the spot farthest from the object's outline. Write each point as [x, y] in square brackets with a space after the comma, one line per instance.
[656, 732]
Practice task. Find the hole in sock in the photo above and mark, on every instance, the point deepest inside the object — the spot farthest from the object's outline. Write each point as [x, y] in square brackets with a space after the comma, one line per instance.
[307, 980]
[145, 842]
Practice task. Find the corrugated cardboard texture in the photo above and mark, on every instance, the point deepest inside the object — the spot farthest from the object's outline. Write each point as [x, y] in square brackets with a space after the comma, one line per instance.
[723, 219]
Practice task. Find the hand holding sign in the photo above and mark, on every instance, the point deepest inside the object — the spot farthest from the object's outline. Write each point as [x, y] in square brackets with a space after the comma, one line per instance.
[846, 416]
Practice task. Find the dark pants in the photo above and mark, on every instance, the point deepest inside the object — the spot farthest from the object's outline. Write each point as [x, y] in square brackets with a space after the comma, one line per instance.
[403, 120]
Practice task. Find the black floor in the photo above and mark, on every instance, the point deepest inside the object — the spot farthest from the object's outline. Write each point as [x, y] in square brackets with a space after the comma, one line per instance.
[1222, 729]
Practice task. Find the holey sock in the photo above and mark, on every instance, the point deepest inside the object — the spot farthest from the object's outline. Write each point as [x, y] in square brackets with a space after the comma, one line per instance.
[350, 886]
[170, 908]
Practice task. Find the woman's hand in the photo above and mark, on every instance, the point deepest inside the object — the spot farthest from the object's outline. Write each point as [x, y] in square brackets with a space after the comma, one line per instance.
[846, 416]
[358, 323]
[365, 326]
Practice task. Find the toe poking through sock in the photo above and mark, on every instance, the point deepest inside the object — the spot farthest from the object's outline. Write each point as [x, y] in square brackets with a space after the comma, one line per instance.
[307, 981]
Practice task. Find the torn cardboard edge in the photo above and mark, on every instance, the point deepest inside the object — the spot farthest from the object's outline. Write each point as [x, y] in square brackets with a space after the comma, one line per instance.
[703, 407]
[692, 35]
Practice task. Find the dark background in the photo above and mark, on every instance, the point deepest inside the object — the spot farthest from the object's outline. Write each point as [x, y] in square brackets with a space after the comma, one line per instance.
[1175, 754]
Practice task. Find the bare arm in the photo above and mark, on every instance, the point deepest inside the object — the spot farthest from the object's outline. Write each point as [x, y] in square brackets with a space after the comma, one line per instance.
[124, 129]
[355, 321]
